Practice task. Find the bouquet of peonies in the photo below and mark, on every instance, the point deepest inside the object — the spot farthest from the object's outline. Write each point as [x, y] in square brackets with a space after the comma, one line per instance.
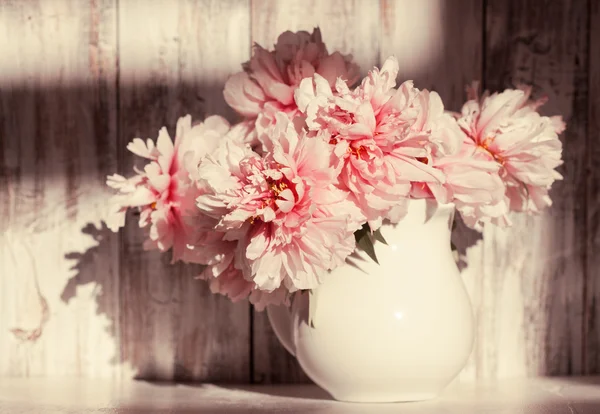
[273, 203]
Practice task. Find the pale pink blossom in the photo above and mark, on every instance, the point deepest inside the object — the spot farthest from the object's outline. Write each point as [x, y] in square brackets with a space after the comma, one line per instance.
[382, 137]
[261, 298]
[159, 189]
[267, 84]
[231, 283]
[224, 278]
[506, 128]
[472, 184]
[290, 223]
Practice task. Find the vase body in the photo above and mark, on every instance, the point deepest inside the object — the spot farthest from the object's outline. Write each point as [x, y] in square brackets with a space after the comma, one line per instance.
[399, 330]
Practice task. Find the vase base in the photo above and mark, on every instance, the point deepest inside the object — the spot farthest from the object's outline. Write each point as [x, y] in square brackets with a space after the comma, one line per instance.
[378, 397]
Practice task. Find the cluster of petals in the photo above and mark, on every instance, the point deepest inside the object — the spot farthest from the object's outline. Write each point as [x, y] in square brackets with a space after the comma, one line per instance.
[506, 129]
[286, 221]
[267, 84]
[160, 189]
[472, 184]
[382, 138]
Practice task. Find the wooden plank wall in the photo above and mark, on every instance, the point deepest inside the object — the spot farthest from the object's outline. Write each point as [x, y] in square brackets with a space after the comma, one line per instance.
[542, 259]
[79, 79]
[171, 325]
[58, 124]
[591, 299]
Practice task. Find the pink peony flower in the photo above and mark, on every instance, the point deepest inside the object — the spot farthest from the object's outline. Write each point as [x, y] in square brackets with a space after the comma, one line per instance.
[472, 184]
[261, 299]
[222, 275]
[160, 189]
[382, 138]
[507, 129]
[267, 84]
[231, 283]
[290, 223]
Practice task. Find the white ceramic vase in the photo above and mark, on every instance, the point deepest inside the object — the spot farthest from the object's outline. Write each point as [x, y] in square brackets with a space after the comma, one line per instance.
[399, 330]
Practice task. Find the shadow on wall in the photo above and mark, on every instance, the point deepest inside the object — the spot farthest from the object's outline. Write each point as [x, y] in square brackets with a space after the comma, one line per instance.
[166, 324]
[463, 238]
[89, 267]
[57, 146]
[136, 335]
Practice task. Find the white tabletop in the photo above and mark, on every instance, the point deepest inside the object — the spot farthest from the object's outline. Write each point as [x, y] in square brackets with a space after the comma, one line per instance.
[577, 395]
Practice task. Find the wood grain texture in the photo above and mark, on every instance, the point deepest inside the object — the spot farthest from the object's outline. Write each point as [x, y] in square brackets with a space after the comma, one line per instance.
[592, 305]
[438, 45]
[174, 59]
[58, 265]
[533, 276]
[348, 27]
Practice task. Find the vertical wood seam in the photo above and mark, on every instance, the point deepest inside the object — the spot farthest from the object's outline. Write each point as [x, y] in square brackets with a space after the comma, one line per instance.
[381, 29]
[484, 5]
[121, 169]
[586, 229]
[120, 150]
[251, 344]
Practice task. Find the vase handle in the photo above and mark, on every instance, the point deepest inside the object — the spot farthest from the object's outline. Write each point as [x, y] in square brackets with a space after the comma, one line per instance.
[280, 318]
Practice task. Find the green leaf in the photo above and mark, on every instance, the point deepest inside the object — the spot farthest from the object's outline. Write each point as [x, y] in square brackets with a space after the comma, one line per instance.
[379, 237]
[312, 304]
[366, 244]
[362, 232]
[364, 240]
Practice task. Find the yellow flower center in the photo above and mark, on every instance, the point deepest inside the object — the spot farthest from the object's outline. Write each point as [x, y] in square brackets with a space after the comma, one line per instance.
[357, 151]
[277, 188]
[485, 146]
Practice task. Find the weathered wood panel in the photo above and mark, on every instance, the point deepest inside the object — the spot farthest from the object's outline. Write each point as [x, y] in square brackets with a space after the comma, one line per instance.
[592, 306]
[174, 59]
[57, 143]
[349, 27]
[533, 276]
[440, 47]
